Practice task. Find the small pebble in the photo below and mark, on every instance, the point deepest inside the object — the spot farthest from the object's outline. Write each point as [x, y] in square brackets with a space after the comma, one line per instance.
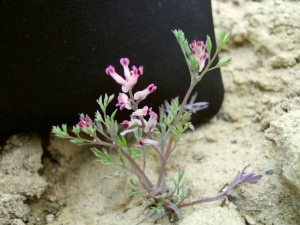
[49, 218]
[269, 172]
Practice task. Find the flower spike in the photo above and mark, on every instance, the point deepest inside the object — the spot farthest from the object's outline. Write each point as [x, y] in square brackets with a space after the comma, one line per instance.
[198, 50]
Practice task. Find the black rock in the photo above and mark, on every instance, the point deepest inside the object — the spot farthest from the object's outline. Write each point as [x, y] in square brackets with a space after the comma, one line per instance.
[54, 55]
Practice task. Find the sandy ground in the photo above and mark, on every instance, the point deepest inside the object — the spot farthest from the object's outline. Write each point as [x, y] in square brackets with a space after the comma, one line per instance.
[258, 124]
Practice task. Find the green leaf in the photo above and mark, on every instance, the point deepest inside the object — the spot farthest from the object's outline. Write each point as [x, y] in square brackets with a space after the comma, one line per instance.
[187, 49]
[118, 140]
[64, 127]
[101, 104]
[136, 135]
[208, 45]
[102, 107]
[99, 117]
[97, 153]
[194, 64]
[59, 132]
[183, 193]
[223, 38]
[134, 152]
[174, 133]
[116, 174]
[189, 63]
[56, 129]
[186, 126]
[104, 157]
[115, 127]
[121, 142]
[185, 118]
[140, 132]
[113, 115]
[107, 120]
[111, 98]
[226, 38]
[180, 176]
[180, 144]
[99, 101]
[223, 62]
[77, 142]
[121, 158]
[124, 143]
[158, 209]
[76, 130]
[175, 183]
[175, 32]
[135, 193]
[181, 37]
[105, 100]
[90, 130]
[132, 184]
[156, 133]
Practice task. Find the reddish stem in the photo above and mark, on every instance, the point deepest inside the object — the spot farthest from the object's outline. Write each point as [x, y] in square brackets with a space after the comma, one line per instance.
[138, 168]
[168, 152]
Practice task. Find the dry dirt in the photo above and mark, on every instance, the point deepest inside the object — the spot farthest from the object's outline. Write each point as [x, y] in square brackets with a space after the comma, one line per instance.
[258, 124]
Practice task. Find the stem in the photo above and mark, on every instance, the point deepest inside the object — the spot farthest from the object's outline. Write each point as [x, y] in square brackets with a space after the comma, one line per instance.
[99, 142]
[138, 168]
[218, 197]
[167, 155]
[207, 66]
[157, 149]
[135, 106]
[194, 81]
[144, 158]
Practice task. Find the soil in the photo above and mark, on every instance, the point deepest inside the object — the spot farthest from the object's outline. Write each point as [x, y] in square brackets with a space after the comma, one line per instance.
[262, 86]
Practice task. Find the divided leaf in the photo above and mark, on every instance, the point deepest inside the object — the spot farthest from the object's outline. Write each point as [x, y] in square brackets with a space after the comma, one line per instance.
[104, 157]
[115, 174]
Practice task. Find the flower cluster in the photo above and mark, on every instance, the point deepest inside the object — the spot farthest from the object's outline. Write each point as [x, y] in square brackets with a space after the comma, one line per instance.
[198, 50]
[137, 117]
[84, 123]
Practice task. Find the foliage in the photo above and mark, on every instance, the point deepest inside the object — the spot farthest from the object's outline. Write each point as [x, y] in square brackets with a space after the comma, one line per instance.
[160, 133]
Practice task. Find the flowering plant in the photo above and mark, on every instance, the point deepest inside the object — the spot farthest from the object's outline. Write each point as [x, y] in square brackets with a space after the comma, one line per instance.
[152, 131]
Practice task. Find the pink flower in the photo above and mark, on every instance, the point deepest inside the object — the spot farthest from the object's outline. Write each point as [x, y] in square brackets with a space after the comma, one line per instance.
[198, 51]
[131, 77]
[125, 63]
[128, 131]
[148, 142]
[132, 124]
[140, 95]
[124, 101]
[135, 73]
[111, 71]
[84, 122]
[127, 124]
[150, 125]
[142, 112]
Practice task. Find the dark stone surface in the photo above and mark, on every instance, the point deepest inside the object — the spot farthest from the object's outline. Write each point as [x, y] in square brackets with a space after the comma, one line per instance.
[54, 55]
